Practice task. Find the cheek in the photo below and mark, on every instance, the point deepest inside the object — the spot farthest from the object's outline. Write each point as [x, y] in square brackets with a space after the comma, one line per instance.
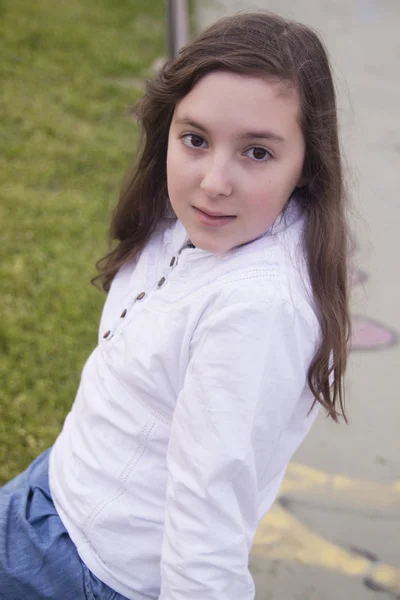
[274, 186]
[175, 160]
[174, 169]
[171, 159]
[259, 191]
[182, 173]
[264, 199]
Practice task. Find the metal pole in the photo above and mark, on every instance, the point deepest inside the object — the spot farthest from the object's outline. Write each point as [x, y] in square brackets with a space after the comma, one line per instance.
[178, 25]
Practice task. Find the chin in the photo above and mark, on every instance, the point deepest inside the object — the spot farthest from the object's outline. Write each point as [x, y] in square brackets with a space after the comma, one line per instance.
[210, 247]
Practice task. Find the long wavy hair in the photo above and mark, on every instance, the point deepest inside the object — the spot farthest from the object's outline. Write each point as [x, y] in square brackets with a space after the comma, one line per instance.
[264, 45]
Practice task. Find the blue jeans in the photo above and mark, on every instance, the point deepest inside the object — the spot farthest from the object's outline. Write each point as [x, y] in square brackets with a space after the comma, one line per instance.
[38, 560]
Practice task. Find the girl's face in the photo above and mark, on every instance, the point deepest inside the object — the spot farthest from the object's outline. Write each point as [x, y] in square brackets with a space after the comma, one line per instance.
[235, 148]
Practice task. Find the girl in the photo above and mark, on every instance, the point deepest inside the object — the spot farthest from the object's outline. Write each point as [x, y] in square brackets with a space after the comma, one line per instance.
[225, 325]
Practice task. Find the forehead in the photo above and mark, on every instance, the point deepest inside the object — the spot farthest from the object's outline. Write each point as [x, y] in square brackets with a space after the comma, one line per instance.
[221, 97]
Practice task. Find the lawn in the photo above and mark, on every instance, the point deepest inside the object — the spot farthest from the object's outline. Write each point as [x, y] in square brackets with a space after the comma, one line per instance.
[70, 70]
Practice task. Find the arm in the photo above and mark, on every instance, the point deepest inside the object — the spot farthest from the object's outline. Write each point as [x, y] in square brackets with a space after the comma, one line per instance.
[249, 361]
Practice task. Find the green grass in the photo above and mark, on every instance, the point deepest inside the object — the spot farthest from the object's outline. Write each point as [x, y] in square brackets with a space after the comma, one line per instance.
[68, 72]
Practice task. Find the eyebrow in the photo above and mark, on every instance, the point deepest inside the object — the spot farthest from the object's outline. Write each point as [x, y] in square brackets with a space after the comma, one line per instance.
[268, 135]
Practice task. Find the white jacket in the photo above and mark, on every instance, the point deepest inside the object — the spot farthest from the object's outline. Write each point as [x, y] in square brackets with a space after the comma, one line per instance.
[187, 414]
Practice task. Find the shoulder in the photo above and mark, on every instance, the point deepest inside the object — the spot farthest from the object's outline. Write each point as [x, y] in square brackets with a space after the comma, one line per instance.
[260, 301]
[247, 322]
[245, 310]
[270, 271]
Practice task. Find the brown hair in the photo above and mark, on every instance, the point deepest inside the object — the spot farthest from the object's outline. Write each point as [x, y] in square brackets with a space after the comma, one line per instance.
[264, 45]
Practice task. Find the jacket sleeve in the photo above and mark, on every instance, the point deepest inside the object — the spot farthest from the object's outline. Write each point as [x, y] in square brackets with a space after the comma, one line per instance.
[249, 361]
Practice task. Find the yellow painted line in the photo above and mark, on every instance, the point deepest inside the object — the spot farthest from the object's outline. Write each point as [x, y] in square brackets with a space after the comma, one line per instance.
[281, 536]
[303, 481]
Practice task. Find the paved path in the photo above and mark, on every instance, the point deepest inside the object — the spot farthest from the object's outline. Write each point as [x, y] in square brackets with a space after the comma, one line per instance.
[335, 533]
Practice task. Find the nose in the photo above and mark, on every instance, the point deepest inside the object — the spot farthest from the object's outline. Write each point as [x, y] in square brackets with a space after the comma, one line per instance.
[216, 180]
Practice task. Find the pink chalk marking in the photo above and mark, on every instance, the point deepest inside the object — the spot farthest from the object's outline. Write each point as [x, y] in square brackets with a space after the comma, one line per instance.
[357, 276]
[369, 335]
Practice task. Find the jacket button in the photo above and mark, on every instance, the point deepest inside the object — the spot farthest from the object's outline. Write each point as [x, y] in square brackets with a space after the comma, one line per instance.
[107, 333]
[171, 264]
[123, 313]
[141, 295]
[162, 280]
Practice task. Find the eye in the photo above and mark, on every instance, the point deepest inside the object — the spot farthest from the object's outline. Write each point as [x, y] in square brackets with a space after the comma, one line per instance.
[259, 154]
[192, 140]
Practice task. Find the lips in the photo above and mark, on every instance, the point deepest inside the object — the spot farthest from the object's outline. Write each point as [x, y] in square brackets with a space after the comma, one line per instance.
[212, 220]
[213, 214]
